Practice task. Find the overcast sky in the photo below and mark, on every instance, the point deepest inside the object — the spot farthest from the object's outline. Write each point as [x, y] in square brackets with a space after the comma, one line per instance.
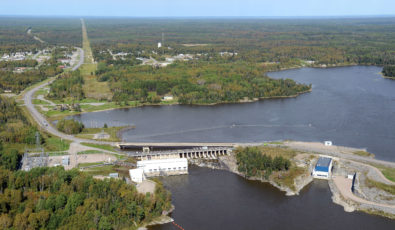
[192, 8]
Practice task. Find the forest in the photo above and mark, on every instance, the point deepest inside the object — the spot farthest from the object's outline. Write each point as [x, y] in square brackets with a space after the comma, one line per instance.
[197, 82]
[68, 85]
[52, 198]
[16, 82]
[14, 127]
[53, 31]
[253, 162]
[368, 41]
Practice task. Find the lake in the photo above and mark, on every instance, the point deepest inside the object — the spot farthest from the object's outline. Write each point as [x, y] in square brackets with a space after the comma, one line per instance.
[351, 106]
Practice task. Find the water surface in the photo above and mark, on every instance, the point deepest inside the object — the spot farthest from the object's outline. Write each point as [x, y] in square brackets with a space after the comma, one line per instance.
[352, 106]
[213, 199]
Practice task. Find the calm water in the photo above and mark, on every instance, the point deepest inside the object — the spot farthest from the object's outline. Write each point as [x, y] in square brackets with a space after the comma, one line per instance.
[213, 199]
[352, 106]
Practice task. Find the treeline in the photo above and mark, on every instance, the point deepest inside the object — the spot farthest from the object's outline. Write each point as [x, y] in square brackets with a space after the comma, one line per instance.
[368, 41]
[14, 127]
[15, 130]
[253, 162]
[16, 82]
[389, 71]
[68, 85]
[52, 198]
[197, 82]
[14, 64]
[70, 126]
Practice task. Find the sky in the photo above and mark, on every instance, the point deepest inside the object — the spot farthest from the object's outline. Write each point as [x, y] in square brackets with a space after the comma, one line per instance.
[198, 8]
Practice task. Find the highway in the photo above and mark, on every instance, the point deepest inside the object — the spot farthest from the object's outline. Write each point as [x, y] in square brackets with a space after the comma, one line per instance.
[81, 61]
[39, 118]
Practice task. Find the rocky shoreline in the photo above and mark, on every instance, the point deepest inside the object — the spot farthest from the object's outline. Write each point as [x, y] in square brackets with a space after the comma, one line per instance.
[228, 163]
[163, 219]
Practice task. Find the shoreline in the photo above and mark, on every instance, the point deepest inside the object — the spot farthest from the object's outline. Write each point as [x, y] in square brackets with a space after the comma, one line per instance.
[321, 66]
[349, 204]
[57, 117]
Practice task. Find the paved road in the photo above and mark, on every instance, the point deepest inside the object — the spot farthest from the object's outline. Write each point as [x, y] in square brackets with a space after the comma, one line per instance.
[81, 61]
[336, 151]
[42, 121]
[344, 186]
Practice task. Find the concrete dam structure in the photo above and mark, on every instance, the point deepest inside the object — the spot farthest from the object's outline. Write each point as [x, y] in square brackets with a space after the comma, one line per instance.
[190, 153]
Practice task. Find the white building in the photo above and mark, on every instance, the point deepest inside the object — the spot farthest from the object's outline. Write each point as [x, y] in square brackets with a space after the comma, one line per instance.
[168, 98]
[173, 166]
[159, 44]
[323, 168]
[137, 175]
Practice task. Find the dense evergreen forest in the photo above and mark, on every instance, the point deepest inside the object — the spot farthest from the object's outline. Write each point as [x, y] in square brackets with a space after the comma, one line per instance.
[389, 71]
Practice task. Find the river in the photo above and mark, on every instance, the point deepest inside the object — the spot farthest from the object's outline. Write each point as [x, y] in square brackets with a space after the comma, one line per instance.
[351, 106]
[215, 199]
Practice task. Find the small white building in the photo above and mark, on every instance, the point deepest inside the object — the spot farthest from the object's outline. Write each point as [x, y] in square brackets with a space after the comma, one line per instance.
[328, 143]
[168, 98]
[159, 44]
[137, 175]
[323, 168]
[175, 166]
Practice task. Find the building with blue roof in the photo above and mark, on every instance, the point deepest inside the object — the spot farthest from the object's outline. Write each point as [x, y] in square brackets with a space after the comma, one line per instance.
[323, 168]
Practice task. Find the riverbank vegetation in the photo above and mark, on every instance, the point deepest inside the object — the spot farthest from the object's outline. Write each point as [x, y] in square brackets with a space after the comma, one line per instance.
[52, 198]
[389, 71]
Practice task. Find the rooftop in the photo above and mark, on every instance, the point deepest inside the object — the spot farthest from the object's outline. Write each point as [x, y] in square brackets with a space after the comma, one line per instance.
[323, 162]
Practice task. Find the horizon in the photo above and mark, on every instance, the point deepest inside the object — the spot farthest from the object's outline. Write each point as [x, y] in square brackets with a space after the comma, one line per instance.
[203, 8]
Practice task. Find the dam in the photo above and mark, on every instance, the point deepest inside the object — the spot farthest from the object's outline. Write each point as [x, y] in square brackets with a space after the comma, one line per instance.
[188, 153]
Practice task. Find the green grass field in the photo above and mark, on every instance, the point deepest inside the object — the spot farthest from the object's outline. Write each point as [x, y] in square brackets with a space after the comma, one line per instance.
[92, 88]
